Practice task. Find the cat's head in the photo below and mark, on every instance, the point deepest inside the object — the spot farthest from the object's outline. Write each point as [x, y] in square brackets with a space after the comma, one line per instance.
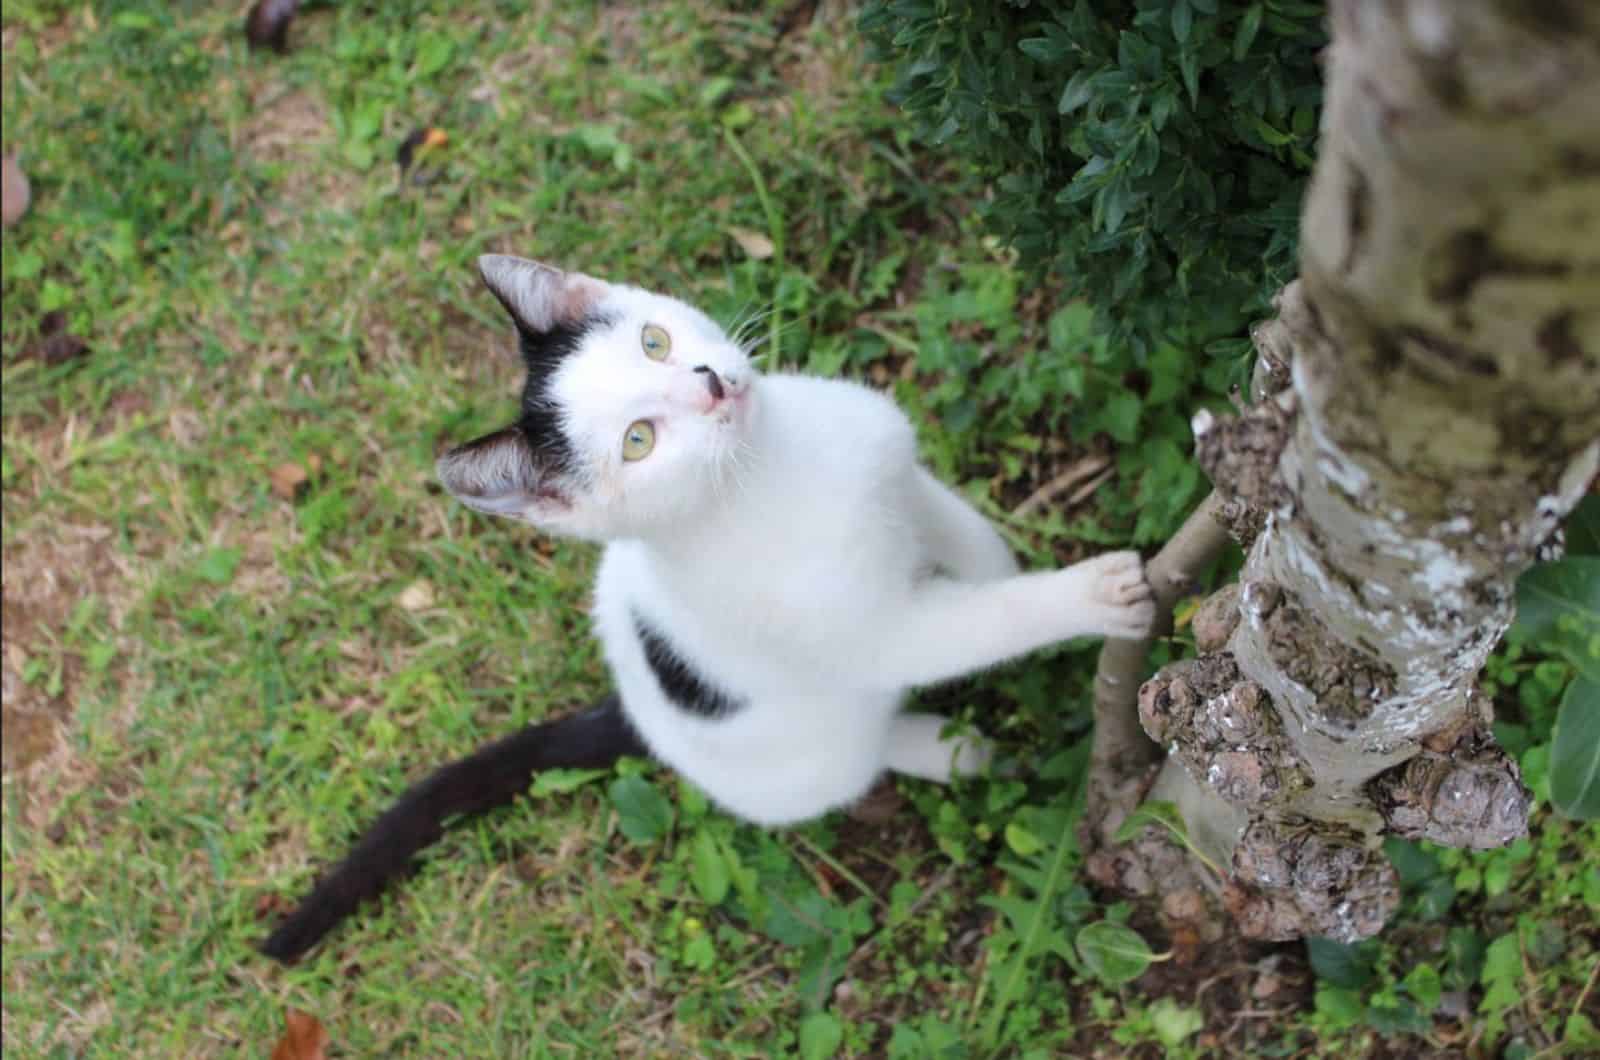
[635, 409]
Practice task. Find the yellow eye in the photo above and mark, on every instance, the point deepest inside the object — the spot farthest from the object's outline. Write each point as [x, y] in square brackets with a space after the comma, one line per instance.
[656, 342]
[638, 441]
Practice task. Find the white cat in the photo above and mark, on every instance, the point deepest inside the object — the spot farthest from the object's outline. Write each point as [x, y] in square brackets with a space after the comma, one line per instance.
[779, 569]
[779, 572]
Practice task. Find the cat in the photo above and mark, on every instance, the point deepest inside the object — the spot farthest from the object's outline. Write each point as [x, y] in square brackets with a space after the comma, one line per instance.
[779, 570]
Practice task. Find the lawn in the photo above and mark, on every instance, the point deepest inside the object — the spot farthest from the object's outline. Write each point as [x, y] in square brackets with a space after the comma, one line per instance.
[240, 615]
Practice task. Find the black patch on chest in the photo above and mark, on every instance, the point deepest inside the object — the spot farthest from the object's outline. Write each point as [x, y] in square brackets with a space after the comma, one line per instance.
[542, 353]
[679, 681]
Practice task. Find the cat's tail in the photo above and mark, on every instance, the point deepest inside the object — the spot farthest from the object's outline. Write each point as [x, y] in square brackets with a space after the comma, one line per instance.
[490, 777]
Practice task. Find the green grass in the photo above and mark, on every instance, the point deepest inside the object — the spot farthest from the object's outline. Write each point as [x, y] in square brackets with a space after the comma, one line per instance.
[210, 688]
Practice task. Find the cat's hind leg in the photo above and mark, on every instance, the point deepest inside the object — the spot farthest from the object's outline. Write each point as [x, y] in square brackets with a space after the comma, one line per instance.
[961, 541]
[916, 749]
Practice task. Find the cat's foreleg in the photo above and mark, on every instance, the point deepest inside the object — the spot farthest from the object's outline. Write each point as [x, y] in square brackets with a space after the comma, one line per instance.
[960, 540]
[916, 749]
[950, 628]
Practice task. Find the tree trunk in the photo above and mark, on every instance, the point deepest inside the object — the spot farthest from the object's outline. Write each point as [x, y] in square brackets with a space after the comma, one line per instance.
[1442, 414]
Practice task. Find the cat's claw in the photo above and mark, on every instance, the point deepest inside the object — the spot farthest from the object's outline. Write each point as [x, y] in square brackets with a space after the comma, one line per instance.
[1126, 603]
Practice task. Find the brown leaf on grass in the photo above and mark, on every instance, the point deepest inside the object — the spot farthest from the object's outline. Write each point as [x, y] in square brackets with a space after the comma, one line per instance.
[15, 194]
[418, 596]
[288, 480]
[272, 905]
[56, 344]
[267, 25]
[879, 806]
[755, 244]
[304, 1038]
[419, 143]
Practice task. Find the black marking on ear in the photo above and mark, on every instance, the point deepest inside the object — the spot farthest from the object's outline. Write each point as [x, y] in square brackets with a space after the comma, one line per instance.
[678, 680]
[543, 353]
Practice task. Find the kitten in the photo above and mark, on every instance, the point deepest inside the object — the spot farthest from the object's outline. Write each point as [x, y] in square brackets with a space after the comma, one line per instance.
[779, 571]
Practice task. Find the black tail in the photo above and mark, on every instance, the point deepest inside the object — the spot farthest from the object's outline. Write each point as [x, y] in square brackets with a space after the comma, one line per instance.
[490, 777]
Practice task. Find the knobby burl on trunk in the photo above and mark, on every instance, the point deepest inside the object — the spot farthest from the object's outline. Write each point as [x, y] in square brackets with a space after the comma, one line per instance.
[1428, 409]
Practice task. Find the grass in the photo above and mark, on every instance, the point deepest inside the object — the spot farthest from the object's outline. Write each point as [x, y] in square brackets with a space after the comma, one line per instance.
[209, 687]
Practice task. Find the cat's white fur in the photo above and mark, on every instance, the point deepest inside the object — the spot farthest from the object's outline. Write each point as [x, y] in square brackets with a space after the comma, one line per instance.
[787, 543]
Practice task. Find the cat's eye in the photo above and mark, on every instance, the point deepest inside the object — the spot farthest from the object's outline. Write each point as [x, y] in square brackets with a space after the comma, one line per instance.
[656, 342]
[638, 441]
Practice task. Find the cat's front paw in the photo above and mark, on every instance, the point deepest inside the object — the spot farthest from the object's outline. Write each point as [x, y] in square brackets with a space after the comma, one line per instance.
[1123, 603]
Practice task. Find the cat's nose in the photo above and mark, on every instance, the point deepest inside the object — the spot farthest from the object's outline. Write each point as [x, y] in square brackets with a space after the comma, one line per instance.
[713, 381]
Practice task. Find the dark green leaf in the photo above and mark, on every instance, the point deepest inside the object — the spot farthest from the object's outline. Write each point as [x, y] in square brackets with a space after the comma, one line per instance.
[1042, 49]
[1182, 20]
[1189, 66]
[643, 813]
[1341, 964]
[1245, 35]
[1583, 527]
[1076, 93]
[1575, 751]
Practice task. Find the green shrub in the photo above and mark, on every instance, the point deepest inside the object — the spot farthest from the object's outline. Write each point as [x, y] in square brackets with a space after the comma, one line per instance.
[1152, 153]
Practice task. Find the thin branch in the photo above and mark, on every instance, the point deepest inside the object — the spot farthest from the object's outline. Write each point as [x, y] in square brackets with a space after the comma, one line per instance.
[1119, 742]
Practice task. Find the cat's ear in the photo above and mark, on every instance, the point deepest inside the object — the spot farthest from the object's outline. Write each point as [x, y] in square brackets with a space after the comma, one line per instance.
[499, 474]
[537, 296]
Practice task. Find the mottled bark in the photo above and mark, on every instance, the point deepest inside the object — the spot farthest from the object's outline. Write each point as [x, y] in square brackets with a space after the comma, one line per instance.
[1443, 348]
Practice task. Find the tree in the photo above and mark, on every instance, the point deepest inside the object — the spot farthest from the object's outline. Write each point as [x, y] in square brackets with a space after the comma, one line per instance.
[1427, 410]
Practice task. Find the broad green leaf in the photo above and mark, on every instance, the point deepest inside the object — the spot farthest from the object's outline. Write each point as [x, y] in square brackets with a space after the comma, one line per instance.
[1173, 1023]
[710, 870]
[1547, 592]
[557, 781]
[1022, 841]
[1423, 983]
[1502, 961]
[1164, 815]
[643, 813]
[433, 53]
[1575, 751]
[821, 1035]
[1342, 1006]
[1113, 953]
[218, 565]
[1154, 812]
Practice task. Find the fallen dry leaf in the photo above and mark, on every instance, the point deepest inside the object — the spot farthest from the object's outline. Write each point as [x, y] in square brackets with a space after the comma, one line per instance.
[272, 904]
[879, 806]
[15, 194]
[268, 24]
[418, 596]
[755, 244]
[420, 142]
[288, 480]
[56, 344]
[304, 1038]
